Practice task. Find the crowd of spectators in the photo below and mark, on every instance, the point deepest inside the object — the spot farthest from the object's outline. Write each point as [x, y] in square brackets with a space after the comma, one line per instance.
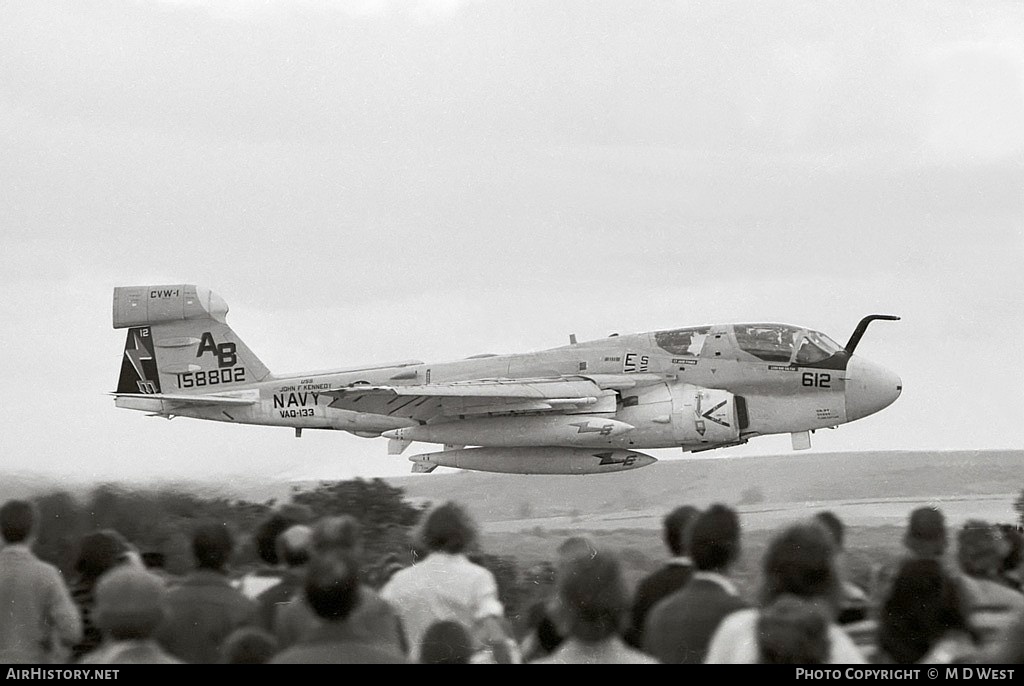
[309, 603]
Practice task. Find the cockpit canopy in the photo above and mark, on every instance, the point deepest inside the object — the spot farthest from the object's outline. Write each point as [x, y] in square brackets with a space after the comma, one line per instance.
[784, 343]
[770, 342]
[687, 342]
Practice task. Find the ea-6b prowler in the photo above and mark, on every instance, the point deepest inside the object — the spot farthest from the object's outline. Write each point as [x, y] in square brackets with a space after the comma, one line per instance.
[582, 408]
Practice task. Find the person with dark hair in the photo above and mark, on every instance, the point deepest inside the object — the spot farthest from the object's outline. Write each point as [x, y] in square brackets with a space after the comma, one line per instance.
[98, 552]
[293, 549]
[446, 584]
[248, 646]
[332, 590]
[270, 571]
[204, 608]
[981, 551]
[680, 627]
[670, 578]
[39, 621]
[925, 618]
[373, 618]
[925, 538]
[544, 635]
[792, 631]
[592, 611]
[854, 603]
[446, 643]
[801, 562]
[129, 608]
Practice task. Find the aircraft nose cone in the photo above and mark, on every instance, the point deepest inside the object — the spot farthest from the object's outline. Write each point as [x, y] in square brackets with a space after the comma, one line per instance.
[870, 387]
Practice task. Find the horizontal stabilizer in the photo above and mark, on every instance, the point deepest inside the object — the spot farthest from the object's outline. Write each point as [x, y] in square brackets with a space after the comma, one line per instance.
[149, 401]
[423, 468]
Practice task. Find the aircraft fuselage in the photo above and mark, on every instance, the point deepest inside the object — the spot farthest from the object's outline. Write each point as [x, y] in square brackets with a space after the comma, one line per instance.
[579, 408]
[779, 396]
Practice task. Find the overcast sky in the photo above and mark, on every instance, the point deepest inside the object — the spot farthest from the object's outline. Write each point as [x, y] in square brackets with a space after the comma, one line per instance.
[382, 180]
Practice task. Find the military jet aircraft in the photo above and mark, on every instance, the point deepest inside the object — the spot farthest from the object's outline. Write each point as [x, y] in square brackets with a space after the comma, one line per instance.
[582, 408]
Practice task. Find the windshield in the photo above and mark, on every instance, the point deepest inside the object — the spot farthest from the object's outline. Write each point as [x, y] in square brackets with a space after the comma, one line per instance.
[816, 347]
[770, 342]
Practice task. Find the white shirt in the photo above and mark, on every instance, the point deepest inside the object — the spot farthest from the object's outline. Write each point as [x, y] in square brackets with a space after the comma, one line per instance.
[441, 587]
[735, 642]
[611, 651]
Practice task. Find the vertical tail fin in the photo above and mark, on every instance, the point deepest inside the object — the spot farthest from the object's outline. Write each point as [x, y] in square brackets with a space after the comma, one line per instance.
[138, 365]
[179, 342]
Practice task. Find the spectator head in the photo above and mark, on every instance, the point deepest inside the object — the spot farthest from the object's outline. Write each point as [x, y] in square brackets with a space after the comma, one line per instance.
[446, 643]
[592, 598]
[332, 585]
[793, 631]
[130, 554]
[674, 529]
[341, 533]
[390, 566]
[297, 513]
[212, 544]
[293, 546]
[834, 526]
[448, 528]
[98, 552]
[276, 524]
[715, 539]
[248, 646]
[129, 603]
[266, 537]
[981, 549]
[801, 561]
[924, 604]
[17, 519]
[926, 532]
[573, 547]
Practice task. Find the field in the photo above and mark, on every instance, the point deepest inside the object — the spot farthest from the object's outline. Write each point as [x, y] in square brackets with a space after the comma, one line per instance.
[526, 517]
[754, 481]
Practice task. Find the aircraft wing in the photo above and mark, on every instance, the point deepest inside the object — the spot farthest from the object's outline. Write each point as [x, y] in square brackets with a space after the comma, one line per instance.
[425, 401]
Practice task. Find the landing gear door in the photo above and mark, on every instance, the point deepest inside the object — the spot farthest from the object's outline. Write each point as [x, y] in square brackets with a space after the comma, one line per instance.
[705, 415]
